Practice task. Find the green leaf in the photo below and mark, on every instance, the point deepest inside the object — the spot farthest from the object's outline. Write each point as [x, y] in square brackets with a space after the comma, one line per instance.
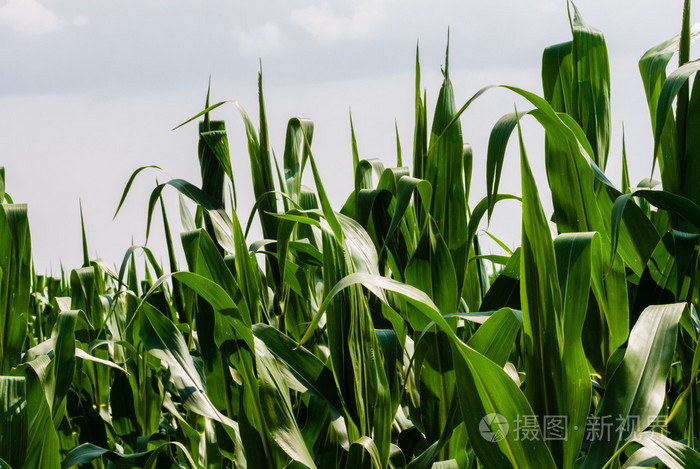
[676, 204]
[498, 140]
[691, 156]
[277, 407]
[88, 452]
[304, 366]
[2, 185]
[578, 208]
[432, 271]
[328, 212]
[79, 353]
[296, 155]
[63, 338]
[637, 388]
[246, 270]
[444, 169]
[554, 302]
[86, 256]
[162, 339]
[204, 259]
[484, 388]
[652, 67]
[420, 135]
[15, 283]
[128, 187]
[353, 143]
[14, 418]
[479, 211]
[363, 454]
[496, 337]
[187, 189]
[505, 290]
[591, 85]
[406, 187]
[449, 464]
[673, 454]
[557, 76]
[41, 439]
[671, 87]
[625, 185]
[354, 351]
[206, 111]
[261, 167]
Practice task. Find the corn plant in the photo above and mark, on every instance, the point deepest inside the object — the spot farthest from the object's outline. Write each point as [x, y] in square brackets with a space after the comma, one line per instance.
[374, 335]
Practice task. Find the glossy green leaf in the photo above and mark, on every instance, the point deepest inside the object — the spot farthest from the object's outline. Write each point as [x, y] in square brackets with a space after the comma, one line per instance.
[296, 154]
[669, 91]
[305, 366]
[444, 170]
[672, 453]
[41, 441]
[496, 337]
[636, 389]
[63, 338]
[363, 454]
[431, 270]
[554, 303]
[652, 67]
[591, 86]
[354, 352]
[277, 408]
[15, 281]
[87, 452]
[480, 382]
[162, 339]
[498, 140]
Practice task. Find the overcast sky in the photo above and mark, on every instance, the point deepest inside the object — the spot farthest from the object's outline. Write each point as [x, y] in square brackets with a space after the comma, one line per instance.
[89, 90]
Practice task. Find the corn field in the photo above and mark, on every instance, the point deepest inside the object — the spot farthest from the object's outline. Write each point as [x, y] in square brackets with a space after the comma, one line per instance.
[380, 335]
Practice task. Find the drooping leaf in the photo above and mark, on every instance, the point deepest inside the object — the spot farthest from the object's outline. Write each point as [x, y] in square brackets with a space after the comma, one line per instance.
[480, 382]
[305, 366]
[162, 339]
[496, 337]
[636, 390]
[277, 408]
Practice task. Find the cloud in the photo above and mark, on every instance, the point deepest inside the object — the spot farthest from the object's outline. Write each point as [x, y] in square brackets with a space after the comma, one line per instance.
[265, 38]
[31, 18]
[328, 24]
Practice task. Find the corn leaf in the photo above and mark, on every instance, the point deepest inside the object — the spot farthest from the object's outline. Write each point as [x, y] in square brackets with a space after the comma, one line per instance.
[162, 339]
[483, 387]
[15, 283]
[554, 303]
[672, 453]
[14, 420]
[591, 86]
[444, 168]
[496, 336]
[636, 389]
[277, 407]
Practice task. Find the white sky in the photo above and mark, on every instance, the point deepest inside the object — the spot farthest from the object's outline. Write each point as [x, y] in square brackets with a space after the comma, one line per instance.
[89, 90]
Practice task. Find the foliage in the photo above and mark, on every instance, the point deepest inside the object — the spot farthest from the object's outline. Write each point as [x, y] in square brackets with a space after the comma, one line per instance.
[379, 335]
